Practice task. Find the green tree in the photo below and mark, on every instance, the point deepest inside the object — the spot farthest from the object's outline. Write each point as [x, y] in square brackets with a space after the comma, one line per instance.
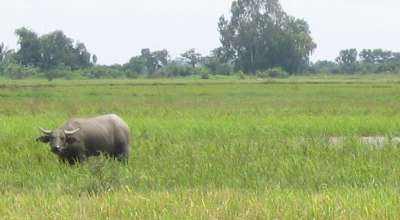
[347, 57]
[94, 59]
[260, 35]
[3, 50]
[148, 61]
[324, 66]
[192, 56]
[6, 58]
[347, 60]
[160, 58]
[376, 56]
[51, 52]
[367, 56]
[58, 49]
[382, 56]
[154, 60]
[30, 50]
[80, 57]
[5, 53]
[136, 64]
[217, 63]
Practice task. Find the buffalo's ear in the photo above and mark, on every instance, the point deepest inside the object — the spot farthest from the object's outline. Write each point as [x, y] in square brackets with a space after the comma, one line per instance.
[71, 140]
[43, 139]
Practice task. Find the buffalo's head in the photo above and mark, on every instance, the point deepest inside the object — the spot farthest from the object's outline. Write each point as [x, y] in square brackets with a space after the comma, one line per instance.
[58, 139]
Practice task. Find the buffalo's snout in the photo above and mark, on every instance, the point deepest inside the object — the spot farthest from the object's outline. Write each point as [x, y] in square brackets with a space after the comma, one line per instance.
[56, 149]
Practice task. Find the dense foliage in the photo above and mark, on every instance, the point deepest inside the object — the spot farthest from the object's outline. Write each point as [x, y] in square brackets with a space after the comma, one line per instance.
[259, 35]
[350, 61]
[50, 52]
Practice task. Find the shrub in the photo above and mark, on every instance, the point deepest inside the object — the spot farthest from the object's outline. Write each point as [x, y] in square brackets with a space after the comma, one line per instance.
[215, 66]
[273, 73]
[131, 75]
[180, 70]
[174, 70]
[103, 72]
[16, 71]
[224, 69]
[202, 71]
[73, 75]
[205, 76]
[241, 75]
[2, 68]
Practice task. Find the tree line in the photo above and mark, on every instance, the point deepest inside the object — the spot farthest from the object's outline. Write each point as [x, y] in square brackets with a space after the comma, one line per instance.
[351, 61]
[55, 55]
[257, 38]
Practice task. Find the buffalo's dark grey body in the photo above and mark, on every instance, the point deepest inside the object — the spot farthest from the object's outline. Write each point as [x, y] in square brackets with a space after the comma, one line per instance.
[106, 134]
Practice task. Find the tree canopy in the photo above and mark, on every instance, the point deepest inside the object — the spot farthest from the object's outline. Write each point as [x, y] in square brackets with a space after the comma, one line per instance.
[4, 52]
[148, 61]
[347, 57]
[29, 52]
[259, 35]
[192, 56]
[50, 51]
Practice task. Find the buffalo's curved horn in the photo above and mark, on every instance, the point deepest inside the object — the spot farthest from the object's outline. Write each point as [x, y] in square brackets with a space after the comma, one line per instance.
[45, 130]
[67, 132]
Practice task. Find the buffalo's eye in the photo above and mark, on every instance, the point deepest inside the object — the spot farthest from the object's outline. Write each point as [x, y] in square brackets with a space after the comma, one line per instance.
[62, 138]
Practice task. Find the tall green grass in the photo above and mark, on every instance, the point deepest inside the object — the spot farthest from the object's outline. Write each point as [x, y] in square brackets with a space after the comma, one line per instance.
[204, 150]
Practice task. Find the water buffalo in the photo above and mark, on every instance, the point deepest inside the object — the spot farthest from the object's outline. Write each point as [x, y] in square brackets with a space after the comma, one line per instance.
[80, 138]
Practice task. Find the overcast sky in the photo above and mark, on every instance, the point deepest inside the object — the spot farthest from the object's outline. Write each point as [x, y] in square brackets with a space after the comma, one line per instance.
[117, 30]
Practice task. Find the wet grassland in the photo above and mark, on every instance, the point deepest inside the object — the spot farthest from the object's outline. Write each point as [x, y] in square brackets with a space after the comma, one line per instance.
[207, 150]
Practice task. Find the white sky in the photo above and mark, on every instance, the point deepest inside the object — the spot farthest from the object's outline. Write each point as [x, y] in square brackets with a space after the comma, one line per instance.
[117, 30]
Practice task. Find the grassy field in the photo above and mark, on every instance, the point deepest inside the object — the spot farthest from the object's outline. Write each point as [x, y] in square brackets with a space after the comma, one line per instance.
[211, 149]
